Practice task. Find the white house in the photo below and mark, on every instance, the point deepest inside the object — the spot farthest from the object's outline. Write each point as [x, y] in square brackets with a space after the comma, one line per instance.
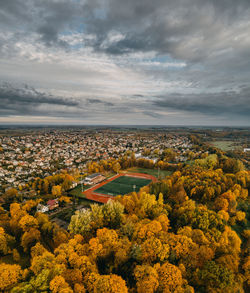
[42, 208]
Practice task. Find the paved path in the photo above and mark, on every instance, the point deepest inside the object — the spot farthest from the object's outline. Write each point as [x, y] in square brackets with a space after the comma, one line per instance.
[103, 198]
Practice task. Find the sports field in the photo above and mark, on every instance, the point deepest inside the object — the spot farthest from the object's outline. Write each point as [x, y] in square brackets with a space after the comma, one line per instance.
[123, 185]
[119, 184]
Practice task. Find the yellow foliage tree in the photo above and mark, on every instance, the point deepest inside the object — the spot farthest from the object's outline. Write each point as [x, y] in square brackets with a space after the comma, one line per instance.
[146, 279]
[170, 278]
[59, 285]
[56, 190]
[9, 276]
[27, 222]
[30, 238]
[110, 284]
[3, 242]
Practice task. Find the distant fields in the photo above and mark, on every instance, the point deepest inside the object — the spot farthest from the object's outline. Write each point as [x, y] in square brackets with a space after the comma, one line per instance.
[122, 185]
[225, 145]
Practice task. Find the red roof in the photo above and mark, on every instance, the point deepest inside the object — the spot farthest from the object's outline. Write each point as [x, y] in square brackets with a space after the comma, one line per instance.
[52, 202]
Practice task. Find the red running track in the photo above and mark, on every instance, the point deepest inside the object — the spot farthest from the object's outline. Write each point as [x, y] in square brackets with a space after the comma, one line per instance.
[103, 198]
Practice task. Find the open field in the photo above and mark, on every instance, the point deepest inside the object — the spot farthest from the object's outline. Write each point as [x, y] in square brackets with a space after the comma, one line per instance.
[123, 185]
[225, 145]
[119, 184]
[153, 172]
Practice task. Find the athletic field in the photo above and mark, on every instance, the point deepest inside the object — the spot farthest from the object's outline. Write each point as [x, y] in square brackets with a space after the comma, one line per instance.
[123, 185]
[119, 184]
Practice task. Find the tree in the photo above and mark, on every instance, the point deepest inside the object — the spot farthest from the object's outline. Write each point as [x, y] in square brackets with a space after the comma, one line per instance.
[64, 200]
[154, 250]
[116, 167]
[110, 284]
[79, 288]
[3, 242]
[30, 238]
[56, 190]
[170, 278]
[27, 222]
[9, 276]
[215, 276]
[146, 279]
[58, 284]
[11, 194]
[112, 214]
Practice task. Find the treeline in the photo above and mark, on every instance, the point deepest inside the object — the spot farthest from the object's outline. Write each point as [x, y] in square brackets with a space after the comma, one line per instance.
[54, 184]
[179, 239]
[126, 162]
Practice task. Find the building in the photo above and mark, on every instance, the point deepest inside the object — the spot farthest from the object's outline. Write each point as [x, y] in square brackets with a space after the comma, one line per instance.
[42, 208]
[53, 204]
[94, 178]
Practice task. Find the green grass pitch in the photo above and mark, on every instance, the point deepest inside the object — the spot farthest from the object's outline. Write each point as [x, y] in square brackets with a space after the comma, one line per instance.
[123, 185]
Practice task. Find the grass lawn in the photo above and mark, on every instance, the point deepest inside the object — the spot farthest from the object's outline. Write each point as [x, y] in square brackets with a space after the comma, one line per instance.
[77, 191]
[154, 172]
[225, 145]
[123, 185]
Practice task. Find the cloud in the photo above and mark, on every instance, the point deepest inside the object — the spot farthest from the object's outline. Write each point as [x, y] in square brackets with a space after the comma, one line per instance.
[97, 101]
[27, 100]
[226, 103]
[108, 59]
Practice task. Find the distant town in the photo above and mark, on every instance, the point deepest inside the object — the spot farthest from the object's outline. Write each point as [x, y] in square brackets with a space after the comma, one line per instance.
[23, 158]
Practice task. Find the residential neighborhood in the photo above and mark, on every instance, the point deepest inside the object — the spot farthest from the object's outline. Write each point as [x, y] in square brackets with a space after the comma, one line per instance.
[25, 157]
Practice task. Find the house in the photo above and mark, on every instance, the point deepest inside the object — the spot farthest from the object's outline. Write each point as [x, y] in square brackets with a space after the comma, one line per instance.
[53, 204]
[42, 208]
[73, 185]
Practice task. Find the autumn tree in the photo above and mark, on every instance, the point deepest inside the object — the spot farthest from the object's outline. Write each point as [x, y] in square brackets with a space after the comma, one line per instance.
[11, 194]
[58, 284]
[215, 276]
[169, 277]
[146, 278]
[56, 190]
[110, 284]
[9, 276]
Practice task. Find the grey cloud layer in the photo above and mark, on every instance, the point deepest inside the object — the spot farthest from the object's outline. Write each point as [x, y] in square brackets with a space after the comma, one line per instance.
[223, 103]
[112, 55]
[174, 27]
[27, 100]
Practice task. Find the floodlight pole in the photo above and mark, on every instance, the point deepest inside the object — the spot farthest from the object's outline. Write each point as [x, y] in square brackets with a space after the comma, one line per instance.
[81, 183]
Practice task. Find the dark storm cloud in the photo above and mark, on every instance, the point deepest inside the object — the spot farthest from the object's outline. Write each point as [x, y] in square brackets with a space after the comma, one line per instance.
[166, 27]
[98, 101]
[224, 103]
[44, 17]
[27, 100]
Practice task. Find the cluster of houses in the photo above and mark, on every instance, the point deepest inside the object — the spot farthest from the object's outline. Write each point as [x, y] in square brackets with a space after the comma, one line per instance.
[51, 205]
[23, 158]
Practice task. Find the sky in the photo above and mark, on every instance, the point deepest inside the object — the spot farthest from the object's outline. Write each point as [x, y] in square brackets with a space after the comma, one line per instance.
[133, 62]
